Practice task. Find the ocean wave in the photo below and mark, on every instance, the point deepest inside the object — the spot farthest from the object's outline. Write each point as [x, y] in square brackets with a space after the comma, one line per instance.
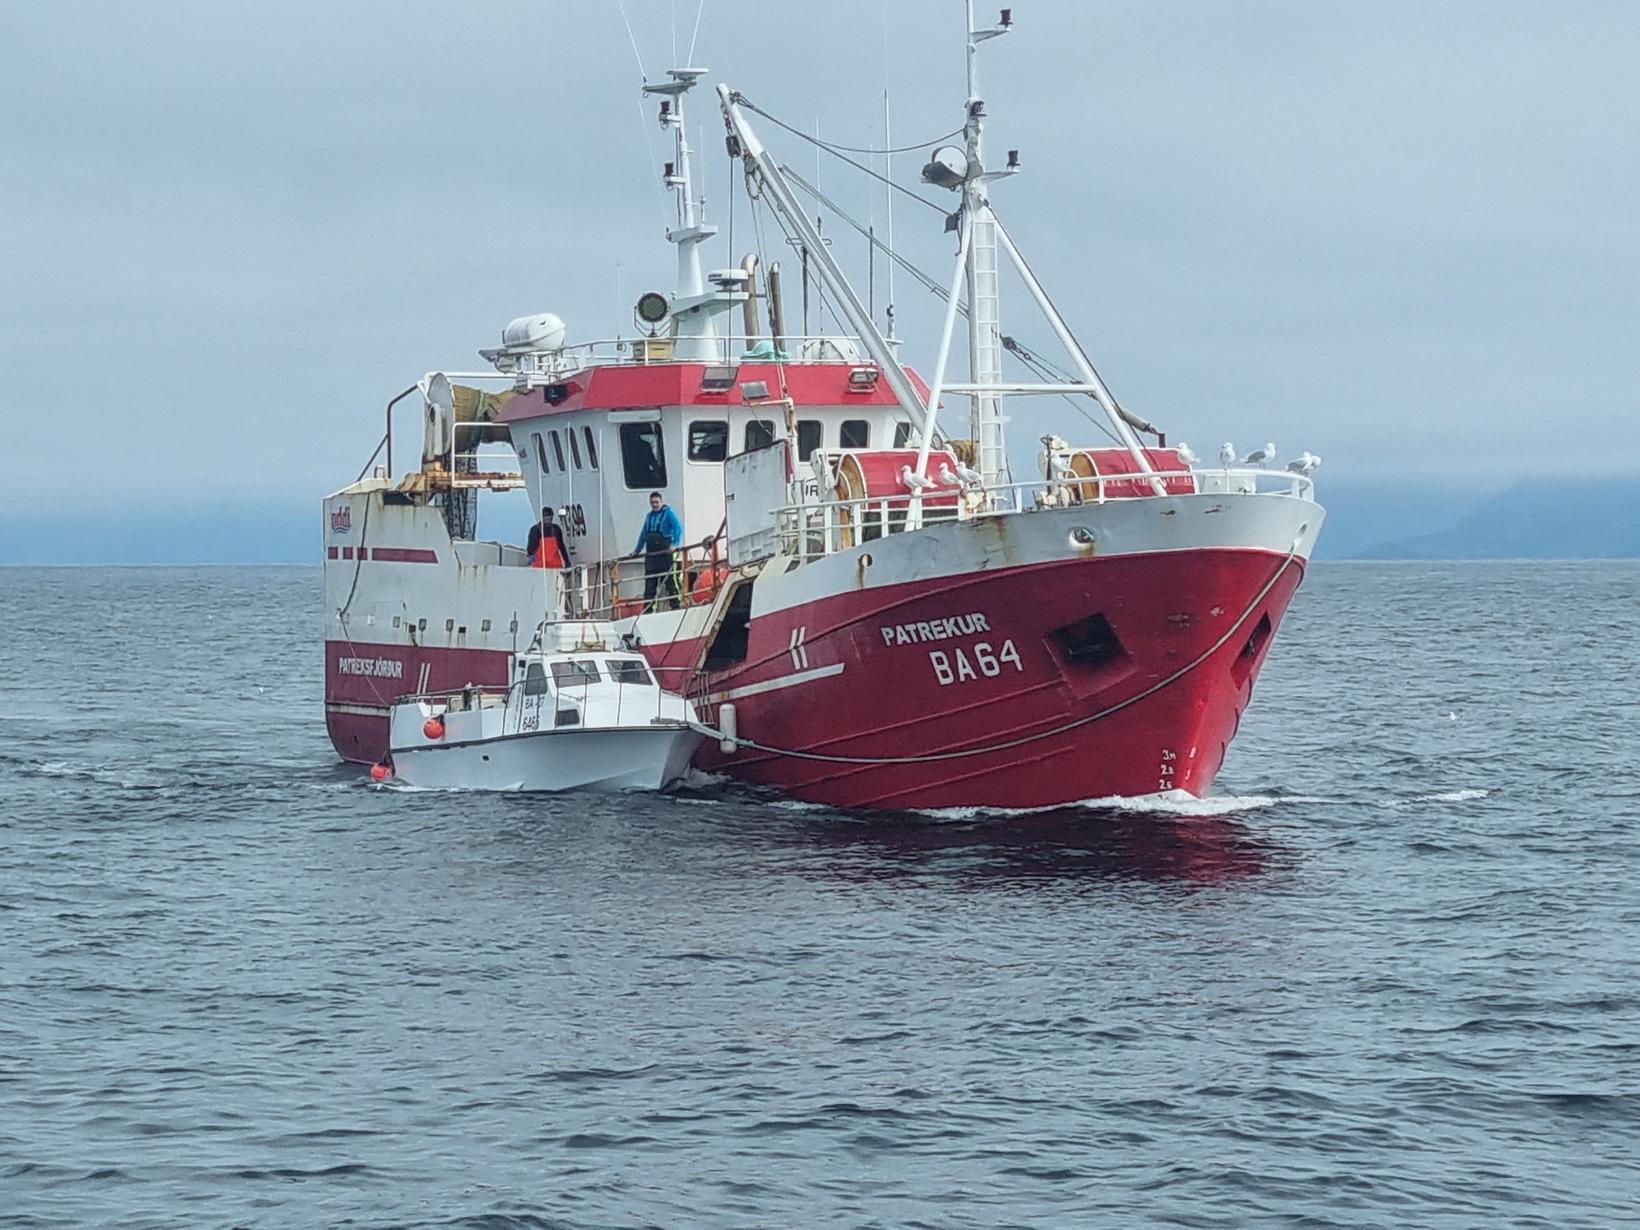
[1178, 803]
[1452, 796]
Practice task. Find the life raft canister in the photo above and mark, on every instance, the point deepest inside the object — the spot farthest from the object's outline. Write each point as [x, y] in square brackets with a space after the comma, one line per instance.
[707, 582]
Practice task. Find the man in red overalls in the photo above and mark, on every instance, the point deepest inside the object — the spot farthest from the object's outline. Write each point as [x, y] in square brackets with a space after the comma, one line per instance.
[546, 545]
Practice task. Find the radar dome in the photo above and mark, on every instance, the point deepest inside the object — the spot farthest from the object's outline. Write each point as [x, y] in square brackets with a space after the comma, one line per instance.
[543, 331]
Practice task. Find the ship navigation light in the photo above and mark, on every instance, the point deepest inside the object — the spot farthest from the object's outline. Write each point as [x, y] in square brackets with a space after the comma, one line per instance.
[652, 307]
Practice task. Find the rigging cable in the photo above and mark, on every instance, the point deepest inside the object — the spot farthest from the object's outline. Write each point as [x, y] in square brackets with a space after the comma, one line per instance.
[1039, 366]
[833, 151]
[824, 200]
[832, 147]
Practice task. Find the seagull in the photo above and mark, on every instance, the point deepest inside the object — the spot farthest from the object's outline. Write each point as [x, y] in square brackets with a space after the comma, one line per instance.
[1227, 454]
[1304, 464]
[1188, 455]
[1260, 455]
[916, 482]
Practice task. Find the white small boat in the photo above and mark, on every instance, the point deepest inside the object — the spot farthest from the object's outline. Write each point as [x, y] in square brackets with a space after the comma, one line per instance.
[582, 713]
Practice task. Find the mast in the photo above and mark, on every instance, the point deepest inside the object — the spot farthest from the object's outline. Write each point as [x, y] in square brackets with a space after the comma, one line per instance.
[978, 258]
[982, 241]
[984, 291]
[696, 334]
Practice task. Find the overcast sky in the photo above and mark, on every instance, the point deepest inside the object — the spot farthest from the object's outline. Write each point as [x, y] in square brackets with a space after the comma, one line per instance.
[1397, 234]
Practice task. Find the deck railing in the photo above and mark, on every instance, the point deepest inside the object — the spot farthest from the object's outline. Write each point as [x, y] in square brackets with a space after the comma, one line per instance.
[633, 700]
[812, 530]
[614, 588]
[723, 350]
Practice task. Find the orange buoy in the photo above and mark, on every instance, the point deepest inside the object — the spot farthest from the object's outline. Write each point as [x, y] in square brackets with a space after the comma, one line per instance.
[433, 728]
[380, 771]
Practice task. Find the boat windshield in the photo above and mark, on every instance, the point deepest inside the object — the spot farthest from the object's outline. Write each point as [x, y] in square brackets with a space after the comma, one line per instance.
[628, 670]
[577, 672]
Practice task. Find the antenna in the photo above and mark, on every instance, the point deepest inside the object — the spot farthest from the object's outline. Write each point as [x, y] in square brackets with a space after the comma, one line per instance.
[888, 190]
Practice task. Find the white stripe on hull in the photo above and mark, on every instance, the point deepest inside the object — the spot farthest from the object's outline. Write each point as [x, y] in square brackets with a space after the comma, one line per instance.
[774, 685]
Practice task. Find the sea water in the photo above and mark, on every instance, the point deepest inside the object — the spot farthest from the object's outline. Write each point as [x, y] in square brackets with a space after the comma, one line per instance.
[1389, 975]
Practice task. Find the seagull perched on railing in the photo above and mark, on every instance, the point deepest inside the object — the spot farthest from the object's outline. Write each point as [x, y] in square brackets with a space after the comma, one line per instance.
[1227, 454]
[1304, 465]
[915, 482]
[1260, 456]
[961, 475]
[1187, 454]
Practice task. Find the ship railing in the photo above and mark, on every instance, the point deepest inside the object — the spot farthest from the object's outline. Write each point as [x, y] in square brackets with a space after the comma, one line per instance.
[614, 588]
[819, 528]
[722, 350]
[635, 700]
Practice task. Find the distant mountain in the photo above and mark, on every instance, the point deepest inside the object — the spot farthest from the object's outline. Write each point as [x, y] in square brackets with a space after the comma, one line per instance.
[1550, 518]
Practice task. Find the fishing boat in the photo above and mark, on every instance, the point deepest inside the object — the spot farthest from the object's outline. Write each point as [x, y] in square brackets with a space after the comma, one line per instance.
[892, 607]
[581, 713]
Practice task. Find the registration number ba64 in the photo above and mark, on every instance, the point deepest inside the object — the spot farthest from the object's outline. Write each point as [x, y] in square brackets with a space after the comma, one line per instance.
[961, 664]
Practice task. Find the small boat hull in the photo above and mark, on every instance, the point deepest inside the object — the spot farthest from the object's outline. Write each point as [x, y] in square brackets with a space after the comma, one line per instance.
[617, 758]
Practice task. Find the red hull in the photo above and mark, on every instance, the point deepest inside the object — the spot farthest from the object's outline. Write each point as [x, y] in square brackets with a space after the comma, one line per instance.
[1033, 663]
[949, 668]
[363, 680]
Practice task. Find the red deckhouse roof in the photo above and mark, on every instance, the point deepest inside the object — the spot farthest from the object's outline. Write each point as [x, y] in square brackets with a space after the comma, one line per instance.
[682, 384]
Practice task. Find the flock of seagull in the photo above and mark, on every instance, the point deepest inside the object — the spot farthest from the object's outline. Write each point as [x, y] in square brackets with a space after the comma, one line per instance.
[1304, 465]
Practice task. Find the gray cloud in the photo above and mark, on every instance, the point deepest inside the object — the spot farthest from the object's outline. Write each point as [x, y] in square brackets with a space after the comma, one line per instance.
[1399, 235]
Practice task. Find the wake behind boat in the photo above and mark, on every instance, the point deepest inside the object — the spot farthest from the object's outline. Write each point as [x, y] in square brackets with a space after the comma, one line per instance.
[580, 714]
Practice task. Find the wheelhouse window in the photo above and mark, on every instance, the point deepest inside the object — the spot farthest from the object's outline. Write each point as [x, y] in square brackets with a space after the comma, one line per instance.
[708, 440]
[643, 456]
[592, 447]
[558, 450]
[902, 434]
[541, 453]
[574, 448]
[808, 438]
[576, 673]
[759, 434]
[625, 670]
[855, 433]
[535, 678]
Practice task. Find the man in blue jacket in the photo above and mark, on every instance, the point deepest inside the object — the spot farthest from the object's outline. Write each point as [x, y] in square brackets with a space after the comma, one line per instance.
[661, 533]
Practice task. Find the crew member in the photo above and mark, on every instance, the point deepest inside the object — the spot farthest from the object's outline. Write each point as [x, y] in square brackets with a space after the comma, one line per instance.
[661, 533]
[546, 546]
